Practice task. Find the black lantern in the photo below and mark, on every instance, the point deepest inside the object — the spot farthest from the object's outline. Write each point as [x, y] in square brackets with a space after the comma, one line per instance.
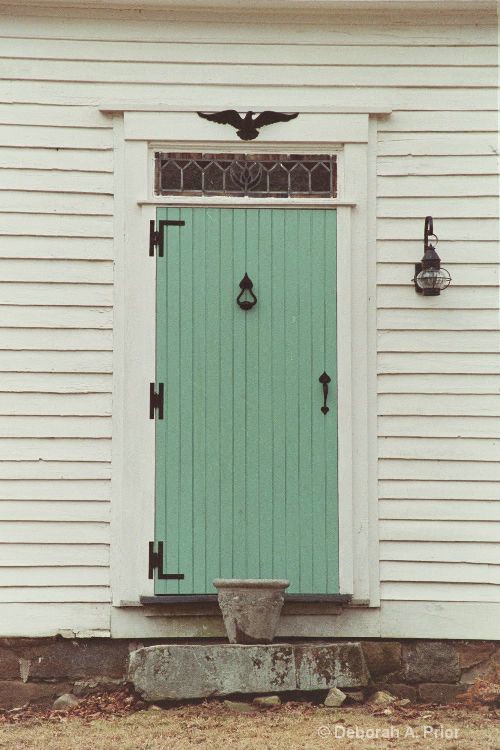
[430, 279]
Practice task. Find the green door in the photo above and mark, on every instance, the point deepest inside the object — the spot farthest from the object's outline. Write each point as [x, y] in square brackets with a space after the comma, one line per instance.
[246, 461]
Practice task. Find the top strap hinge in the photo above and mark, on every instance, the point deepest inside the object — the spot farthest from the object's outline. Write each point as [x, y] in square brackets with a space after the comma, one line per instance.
[156, 236]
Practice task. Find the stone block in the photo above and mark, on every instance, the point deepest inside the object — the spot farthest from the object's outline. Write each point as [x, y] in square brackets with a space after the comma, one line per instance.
[71, 659]
[431, 661]
[382, 657]
[473, 653]
[401, 690]
[323, 666]
[176, 672]
[182, 672]
[9, 665]
[432, 692]
[14, 694]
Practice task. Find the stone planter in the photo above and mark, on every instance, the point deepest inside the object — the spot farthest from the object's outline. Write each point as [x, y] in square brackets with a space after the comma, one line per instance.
[251, 608]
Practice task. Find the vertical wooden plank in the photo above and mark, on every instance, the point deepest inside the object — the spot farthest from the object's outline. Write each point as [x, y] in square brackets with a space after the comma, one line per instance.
[291, 386]
[160, 425]
[227, 311]
[280, 566]
[199, 401]
[172, 411]
[265, 441]
[306, 377]
[186, 517]
[318, 419]
[239, 402]
[331, 421]
[212, 400]
[252, 375]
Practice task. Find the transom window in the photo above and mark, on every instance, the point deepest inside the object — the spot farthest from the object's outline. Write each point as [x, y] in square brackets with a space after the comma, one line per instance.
[254, 175]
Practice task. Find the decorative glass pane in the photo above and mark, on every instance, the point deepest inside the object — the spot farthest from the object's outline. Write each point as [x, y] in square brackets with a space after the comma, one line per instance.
[254, 175]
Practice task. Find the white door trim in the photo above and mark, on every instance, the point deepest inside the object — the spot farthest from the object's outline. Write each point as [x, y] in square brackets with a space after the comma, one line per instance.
[134, 363]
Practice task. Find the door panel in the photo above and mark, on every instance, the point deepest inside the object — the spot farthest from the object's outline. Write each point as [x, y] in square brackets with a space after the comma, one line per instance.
[246, 462]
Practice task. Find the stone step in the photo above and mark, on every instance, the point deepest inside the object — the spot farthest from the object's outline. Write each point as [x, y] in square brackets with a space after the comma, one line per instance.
[182, 672]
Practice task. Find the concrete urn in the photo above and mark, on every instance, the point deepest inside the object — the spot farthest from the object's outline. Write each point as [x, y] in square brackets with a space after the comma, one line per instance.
[251, 608]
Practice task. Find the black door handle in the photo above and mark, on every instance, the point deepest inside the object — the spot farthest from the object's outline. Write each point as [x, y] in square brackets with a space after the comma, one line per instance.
[324, 379]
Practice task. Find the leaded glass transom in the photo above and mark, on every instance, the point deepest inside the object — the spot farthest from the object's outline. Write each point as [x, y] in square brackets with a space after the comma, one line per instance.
[254, 175]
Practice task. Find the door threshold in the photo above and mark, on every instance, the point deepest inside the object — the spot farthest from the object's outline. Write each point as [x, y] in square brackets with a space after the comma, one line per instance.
[166, 599]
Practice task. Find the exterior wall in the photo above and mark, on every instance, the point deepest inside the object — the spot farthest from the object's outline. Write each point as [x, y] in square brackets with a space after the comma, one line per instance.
[438, 358]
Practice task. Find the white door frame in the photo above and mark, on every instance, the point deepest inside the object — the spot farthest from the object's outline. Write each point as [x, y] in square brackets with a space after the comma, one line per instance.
[136, 137]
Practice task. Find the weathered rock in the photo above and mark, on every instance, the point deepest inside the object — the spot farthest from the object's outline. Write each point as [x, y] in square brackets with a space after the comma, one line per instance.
[382, 698]
[239, 707]
[175, 672]
[9, 665]
[65, 702]
[357, 696]
[97, 685]
[400, 690]
[266, 701]
[432, 692]
[472, 653]
[403, 702]
[335, 698]
[72, 659]
[431, 661]
[195, 671]
[14, 694]
[382, 658]
[322, 666]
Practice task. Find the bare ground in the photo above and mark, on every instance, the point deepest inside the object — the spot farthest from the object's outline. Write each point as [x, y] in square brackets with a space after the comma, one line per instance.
[292, 726]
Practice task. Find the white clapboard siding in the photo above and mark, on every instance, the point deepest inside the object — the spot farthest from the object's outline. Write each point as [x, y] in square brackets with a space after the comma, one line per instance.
[49, 510]
[444, 426]
[450, 592]
[444, 552]
[58, 160]
[440, 404]
[14, 316]
[54, 576]
[63, 382]
[426, 383]
[439, 572]
[439, 510]
[53, 555]
[25, 245]
[439, 165]
[77, 593]
[440, 489]
[50, 470]
[438, 358]
[59, 426]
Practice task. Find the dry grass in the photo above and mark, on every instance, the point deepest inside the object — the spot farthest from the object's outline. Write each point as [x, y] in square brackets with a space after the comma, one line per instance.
[288, 727]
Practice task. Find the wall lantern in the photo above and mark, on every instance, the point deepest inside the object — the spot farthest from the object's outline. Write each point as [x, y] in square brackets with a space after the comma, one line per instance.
[430, 279]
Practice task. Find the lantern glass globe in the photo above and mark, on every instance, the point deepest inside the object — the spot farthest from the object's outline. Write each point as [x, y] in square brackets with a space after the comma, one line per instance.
[433, 280]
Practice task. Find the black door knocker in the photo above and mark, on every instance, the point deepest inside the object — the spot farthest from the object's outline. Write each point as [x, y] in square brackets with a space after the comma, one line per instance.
[246, 285]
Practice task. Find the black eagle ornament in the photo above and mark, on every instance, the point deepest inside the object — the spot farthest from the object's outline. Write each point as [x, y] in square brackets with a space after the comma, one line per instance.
[247, 127]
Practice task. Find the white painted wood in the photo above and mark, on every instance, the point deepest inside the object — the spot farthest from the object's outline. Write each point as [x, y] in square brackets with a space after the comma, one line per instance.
[440, 510]
[445, 426]
[54, 576]
[440, 573]
[440, 489]
[54, 555]
[443, 531]
[473, 553]
[449, 592]
[69, 619]
[68, 207]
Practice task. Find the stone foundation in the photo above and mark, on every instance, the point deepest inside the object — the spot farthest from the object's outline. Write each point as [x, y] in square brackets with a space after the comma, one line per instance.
[38, 670]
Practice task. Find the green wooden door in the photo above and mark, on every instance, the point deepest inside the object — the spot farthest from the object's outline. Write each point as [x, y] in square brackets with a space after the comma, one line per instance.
[246, 462]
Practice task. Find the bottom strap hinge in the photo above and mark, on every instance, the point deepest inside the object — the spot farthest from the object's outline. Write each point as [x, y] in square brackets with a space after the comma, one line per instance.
[156, 563]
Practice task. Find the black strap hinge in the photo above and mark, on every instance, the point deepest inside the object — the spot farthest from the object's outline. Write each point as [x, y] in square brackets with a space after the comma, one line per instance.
[156, 401]
[156, 236]
[156, 563]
